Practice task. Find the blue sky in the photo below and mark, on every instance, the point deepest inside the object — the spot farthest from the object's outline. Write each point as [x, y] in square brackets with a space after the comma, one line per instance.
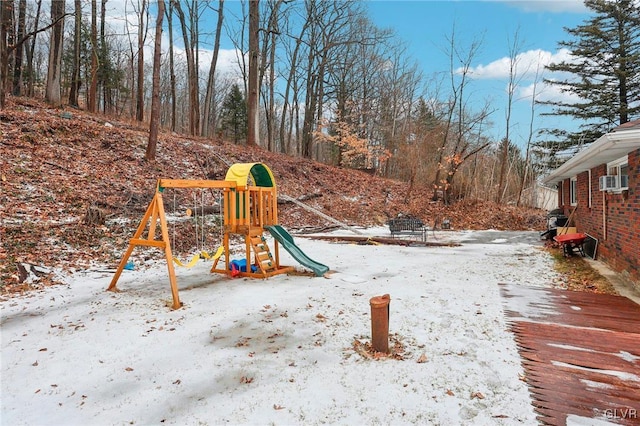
[425, 26]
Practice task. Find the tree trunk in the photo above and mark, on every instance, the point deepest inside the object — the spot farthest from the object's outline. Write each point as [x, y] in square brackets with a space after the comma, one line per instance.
[30, 48]
[104, 64]
[285, 136]
[209, 118]
[271, 108]
[253, 83]
[6, 14]
[17, 67]
[172, 70]
[269, 47]
[192, 72]
[155, 96]
[504, 158]
[53, 94]
[142, 35]
[93, 86]
[75, 74]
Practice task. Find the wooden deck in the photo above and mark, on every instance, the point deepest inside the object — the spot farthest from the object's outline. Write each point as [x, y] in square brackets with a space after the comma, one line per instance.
[580, 351]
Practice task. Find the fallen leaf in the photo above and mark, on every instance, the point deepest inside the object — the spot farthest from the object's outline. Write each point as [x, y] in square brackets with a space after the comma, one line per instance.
[422, 358]
[277, 407]
[128, 369]
[478, 395]
[450, 392]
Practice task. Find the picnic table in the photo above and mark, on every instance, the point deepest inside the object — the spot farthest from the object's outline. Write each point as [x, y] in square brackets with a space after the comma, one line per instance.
[570, 242]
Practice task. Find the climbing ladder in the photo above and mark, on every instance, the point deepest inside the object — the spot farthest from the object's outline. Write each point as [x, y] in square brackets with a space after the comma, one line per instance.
[264, 258]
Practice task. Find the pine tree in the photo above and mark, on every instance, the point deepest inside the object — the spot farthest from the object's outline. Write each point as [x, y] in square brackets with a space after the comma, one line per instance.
[605, 72]
[234, 115]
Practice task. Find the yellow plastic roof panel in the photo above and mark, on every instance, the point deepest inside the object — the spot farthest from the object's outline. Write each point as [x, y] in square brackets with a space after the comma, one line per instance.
[260, 173]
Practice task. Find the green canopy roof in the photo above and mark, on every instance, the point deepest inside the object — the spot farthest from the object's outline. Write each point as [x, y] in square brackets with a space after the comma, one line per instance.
[260, 173]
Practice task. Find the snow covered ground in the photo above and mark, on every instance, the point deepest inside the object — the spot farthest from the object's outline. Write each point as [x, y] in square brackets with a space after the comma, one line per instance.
[279, 351]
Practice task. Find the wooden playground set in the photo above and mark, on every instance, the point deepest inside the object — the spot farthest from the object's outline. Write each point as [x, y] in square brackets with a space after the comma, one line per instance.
[250, 207]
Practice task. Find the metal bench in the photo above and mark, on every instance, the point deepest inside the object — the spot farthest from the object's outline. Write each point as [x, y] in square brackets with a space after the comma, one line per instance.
[407, 225]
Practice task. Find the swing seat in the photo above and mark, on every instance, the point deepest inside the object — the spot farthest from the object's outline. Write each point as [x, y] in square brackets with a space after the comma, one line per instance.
[189, 264]
[202, 255]
[218, 253]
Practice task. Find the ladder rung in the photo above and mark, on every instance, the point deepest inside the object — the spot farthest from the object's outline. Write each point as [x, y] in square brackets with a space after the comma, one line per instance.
[264, 258]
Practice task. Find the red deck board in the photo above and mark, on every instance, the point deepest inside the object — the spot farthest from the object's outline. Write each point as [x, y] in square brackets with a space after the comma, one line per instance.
[580, 352]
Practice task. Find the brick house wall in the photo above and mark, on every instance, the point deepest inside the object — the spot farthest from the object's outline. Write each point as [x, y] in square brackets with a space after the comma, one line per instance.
[619, 242]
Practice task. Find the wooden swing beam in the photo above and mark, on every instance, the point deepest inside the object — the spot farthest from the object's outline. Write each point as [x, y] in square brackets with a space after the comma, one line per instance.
[190, 183]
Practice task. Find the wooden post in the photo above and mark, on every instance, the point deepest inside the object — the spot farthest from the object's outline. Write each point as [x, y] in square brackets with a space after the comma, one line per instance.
[167, 251]
[154, 212]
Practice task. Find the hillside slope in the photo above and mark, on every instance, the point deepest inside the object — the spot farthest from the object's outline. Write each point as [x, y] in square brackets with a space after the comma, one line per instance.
[75, 185]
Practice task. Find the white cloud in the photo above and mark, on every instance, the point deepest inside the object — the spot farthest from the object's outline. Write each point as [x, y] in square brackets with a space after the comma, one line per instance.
[227, 63]
[526, 64]
[546, 92]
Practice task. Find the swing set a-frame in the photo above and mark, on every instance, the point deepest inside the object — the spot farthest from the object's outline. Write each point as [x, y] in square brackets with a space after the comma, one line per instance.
[247, 210]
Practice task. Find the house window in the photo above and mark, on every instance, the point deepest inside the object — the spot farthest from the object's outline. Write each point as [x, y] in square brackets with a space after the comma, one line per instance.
[620, 169]
[573, 191]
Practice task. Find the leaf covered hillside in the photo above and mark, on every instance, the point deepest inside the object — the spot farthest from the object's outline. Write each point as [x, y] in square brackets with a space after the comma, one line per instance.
[75, 186]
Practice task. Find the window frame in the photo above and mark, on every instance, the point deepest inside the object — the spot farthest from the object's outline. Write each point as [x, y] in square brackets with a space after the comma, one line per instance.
[573, 191]
[614, 168]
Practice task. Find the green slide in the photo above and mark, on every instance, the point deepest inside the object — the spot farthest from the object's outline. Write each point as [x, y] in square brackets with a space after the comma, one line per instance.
[284, 238]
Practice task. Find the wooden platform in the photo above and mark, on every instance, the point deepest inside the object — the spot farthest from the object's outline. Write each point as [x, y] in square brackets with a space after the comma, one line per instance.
[580, 352]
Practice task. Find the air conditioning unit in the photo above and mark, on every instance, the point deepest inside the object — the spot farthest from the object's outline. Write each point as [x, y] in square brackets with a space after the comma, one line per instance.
[608, 182]
[624, 181]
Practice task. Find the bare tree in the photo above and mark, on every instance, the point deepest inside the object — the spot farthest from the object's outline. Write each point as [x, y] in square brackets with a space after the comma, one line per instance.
[208, 115]
[291, 92]
[172, 71]
[105, 63]
[330, 28]
[273, 17]
[8, 43]
[154, 121]
[6, 24]
[457, 141]
[29, 50]
[514, 79]
[17, 67]
[53, 94]
[527, 158]
[75, 72]
[93, 85]
[143, 20]
[253, 137]
[190, 45]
